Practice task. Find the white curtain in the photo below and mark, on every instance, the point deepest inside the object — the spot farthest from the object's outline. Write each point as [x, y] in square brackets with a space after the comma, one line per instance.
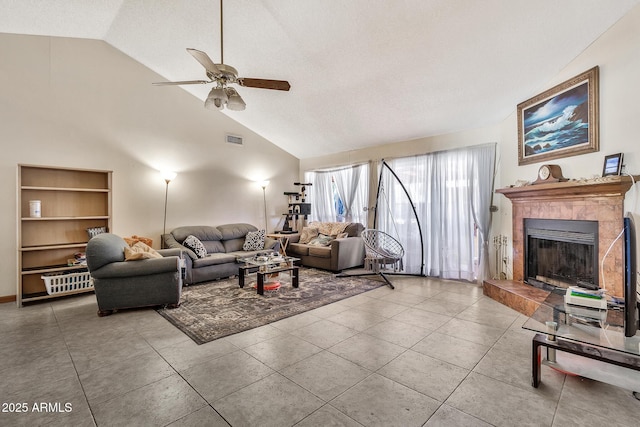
[451, 191]
[394, 212]
[350, 183]
[321, 196]
[483, 174]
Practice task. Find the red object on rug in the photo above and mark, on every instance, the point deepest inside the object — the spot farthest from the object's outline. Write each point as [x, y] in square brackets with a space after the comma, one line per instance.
[269, 286]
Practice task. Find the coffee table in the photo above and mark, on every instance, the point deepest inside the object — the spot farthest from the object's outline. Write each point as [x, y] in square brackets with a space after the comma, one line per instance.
[584, 341]
[267, 265]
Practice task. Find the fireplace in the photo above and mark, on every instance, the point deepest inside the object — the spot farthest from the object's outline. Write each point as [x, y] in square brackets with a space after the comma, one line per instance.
[597, 200]
[560, 253]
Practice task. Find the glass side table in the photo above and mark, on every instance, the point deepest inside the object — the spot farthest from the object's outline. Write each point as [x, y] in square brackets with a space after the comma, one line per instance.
[584, 341]
[267, 265]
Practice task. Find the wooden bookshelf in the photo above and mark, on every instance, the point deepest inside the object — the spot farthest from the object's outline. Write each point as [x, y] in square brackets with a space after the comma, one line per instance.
[72, 200]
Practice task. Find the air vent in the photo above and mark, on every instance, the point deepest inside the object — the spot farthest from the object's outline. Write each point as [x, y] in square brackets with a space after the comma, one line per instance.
[233, 139]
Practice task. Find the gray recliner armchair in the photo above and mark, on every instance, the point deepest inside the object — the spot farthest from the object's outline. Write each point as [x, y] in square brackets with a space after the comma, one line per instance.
[123, 284]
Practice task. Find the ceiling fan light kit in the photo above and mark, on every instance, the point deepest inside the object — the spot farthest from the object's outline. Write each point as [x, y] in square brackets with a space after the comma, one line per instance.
[222, 75]
[219, 97]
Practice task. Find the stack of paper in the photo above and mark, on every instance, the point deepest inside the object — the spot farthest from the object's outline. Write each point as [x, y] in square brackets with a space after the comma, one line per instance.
[586, 297]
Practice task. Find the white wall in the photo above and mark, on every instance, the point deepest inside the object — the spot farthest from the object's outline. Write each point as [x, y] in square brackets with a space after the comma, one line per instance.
[81, 103]
[618, 56]
[404, 148]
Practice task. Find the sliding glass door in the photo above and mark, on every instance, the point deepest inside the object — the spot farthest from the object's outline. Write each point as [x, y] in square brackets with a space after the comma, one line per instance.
[451, 193]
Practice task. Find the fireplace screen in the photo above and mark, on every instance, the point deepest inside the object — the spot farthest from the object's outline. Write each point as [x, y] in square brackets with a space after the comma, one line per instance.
[561, 253]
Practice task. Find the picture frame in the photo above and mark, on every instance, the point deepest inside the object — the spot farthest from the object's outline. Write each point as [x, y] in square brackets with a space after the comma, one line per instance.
[560, 122]
[612, 165]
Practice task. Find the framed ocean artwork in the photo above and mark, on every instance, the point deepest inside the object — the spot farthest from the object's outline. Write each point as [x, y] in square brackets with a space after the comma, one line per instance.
[560, 122]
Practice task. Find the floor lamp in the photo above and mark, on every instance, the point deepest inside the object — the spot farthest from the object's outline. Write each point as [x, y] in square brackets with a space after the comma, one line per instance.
[168, 176]
[264, 184]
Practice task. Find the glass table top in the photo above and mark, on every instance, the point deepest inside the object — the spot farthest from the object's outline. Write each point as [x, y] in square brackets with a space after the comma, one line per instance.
[268, 260]
[603, 328]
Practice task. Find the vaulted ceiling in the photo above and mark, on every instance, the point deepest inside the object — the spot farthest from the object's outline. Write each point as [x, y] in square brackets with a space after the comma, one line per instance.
[362, 72]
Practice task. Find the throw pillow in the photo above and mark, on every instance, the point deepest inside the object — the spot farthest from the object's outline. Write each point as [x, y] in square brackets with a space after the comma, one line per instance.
[321, 240]
[193, 243]
[94, 231]
[139, 251]
[307, 234]
[254, 241]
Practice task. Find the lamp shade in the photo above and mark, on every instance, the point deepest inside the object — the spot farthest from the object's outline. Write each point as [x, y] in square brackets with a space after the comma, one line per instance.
[235, 102]
[216, 99]
[168, 175]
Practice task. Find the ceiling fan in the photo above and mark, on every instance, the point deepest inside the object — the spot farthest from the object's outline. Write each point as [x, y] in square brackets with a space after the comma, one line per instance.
[223, 75]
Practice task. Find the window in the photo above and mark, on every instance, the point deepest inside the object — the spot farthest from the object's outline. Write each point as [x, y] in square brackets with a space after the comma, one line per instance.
[338, 203]
[450, 193]
[339, 195]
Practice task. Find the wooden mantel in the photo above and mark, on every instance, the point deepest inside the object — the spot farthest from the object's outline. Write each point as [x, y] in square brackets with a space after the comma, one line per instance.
[610, 186]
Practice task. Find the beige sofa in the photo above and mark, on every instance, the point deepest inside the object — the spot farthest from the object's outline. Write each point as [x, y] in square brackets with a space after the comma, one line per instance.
[342, 248]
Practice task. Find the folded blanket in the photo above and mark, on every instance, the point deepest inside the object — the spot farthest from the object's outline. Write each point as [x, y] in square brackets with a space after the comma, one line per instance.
[330, 228]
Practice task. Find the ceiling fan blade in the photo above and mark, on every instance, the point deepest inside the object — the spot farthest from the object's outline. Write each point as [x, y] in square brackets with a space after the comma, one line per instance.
[265, 84]
[184, 82]
[204, 59]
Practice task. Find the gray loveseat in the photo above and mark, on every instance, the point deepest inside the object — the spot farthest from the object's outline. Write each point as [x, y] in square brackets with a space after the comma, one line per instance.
[123, 284]
[341, 253]
[223, 245]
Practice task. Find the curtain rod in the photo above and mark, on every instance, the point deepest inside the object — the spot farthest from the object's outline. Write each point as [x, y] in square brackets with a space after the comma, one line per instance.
[339, 168]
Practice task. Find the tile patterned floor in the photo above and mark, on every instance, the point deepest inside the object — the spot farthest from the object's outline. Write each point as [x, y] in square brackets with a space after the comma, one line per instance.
[430, 352]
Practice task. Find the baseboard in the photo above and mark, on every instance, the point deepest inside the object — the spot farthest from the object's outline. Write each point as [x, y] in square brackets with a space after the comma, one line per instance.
[7, 298]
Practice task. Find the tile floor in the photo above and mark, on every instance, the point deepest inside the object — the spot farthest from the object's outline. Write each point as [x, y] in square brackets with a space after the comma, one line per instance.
[431, 352]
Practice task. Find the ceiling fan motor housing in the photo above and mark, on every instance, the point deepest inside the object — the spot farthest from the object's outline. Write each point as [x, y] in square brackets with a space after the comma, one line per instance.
[227, 74]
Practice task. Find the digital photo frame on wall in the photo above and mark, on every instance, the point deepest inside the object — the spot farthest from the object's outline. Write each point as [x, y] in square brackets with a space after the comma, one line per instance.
[612, 165]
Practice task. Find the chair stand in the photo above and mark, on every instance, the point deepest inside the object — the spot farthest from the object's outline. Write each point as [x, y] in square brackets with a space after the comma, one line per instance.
[384, 277]
[381, 250]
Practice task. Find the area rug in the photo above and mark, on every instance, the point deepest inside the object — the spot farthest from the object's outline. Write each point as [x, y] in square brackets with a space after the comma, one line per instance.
[213, 310]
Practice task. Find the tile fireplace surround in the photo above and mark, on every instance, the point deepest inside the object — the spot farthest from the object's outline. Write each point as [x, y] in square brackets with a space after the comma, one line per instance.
[599, 199]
